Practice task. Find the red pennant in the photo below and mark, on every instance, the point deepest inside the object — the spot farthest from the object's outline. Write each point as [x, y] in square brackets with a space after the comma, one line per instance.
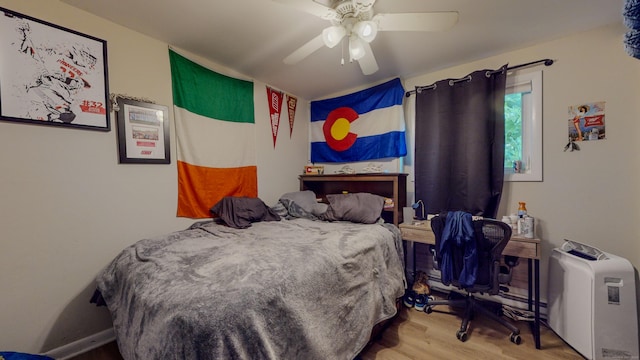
[291, 106]
[274, 98]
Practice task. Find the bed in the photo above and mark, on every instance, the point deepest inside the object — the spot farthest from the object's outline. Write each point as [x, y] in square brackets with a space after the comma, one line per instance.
[305, 284]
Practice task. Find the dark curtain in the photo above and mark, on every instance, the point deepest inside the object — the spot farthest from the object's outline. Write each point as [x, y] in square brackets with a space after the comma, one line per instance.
[459, 137]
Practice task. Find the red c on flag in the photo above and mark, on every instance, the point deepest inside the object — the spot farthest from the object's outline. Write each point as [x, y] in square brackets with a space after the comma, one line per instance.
[336, 128]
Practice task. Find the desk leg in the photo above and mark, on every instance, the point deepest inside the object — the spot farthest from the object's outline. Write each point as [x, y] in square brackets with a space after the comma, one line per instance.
[536, 329]
[529, 284]
[533, 275]
[411, 275]
[405, 247]
[413, 250]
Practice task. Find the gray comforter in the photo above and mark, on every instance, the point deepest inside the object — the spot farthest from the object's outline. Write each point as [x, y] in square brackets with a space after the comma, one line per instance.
[292, 289]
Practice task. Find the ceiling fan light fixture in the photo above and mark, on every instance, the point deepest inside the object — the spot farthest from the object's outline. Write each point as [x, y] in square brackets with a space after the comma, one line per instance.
[366, 30]
[332, 35]
[356, 48]
[356, 21]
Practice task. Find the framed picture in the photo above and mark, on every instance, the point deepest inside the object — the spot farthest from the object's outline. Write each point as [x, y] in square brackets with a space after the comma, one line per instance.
[51, 75]
[143, 132]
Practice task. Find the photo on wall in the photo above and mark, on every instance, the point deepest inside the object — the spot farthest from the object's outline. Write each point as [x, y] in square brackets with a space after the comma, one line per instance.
[143, 132]
[586, 122]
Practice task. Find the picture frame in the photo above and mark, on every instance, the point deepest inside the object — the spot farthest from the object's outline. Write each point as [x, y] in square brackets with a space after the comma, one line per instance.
[143, 132]
[52, 75]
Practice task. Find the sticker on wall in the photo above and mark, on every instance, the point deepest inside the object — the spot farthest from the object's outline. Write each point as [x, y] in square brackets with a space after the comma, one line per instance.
[586, 122]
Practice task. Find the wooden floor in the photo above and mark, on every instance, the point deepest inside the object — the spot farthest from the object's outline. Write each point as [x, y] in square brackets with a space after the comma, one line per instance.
[417, 335]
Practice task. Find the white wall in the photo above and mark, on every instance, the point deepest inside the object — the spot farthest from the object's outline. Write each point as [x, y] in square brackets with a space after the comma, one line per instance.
[591, 195]
[67, 207]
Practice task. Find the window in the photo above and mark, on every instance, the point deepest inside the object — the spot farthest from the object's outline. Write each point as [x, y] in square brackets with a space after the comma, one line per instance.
[523, 127]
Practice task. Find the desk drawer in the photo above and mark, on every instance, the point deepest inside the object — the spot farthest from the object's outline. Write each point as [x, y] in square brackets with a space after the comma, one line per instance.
[521, 249]
[418, 235]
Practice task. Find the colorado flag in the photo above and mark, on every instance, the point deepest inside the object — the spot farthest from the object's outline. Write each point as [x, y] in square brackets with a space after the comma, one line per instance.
[214, 117]
[368, 124]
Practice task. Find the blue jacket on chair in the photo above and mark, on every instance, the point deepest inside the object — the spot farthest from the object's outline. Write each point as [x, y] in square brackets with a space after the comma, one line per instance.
[459, 233]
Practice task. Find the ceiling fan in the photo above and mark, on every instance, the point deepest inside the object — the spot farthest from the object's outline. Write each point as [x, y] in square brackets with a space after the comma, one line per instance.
[355, 20]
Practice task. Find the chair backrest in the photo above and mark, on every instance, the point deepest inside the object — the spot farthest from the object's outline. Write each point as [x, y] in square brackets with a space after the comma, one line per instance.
[490, 238]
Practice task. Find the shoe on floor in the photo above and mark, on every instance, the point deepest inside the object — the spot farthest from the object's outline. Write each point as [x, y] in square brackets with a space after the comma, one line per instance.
[420, 302]
[409, 299]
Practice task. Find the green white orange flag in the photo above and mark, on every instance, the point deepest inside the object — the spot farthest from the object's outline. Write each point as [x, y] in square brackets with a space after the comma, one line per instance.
[215, 136]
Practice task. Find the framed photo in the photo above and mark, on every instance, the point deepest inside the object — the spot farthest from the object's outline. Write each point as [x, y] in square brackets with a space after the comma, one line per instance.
[143, 133]
[51, 75]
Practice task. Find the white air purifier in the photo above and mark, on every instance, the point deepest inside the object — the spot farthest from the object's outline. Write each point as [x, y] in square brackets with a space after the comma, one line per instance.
[592, 302]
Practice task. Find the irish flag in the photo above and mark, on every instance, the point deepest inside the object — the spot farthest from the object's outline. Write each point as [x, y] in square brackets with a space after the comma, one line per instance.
[214, 117]
[368, 124]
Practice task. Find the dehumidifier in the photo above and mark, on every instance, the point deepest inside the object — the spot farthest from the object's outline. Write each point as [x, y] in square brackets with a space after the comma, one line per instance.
[592, 302]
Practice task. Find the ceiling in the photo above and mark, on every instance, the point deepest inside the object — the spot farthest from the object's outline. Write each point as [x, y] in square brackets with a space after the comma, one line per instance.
[254, 36]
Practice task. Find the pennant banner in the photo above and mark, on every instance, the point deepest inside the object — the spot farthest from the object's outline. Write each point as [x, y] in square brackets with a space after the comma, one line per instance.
[214, 117]
[365, 125]
[274, 98]
[292, 102]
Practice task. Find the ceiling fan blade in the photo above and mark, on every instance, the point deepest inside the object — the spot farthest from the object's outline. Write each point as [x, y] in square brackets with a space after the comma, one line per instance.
[311, 7]
[428, 21]
[368, 63]
[305, 50]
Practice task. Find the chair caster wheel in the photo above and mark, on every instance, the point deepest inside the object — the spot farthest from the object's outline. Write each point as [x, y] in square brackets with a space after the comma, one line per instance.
[461, 335]
[516, 339]
[428, 309]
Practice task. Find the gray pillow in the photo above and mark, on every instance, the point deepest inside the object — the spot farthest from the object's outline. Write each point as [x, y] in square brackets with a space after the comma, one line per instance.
[239, 212]
[302, 204]
[363, 208]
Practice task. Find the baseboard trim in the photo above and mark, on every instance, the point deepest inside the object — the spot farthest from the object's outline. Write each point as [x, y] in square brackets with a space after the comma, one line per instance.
[83, 345]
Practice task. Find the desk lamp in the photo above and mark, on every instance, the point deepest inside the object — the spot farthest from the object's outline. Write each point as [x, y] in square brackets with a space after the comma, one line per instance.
[420, 204]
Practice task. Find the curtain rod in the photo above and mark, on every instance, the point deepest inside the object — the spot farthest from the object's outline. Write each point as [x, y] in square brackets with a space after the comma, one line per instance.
[547, 62]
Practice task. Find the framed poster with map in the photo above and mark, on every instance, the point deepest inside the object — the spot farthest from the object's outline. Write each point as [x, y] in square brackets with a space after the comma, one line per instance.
[51, 75]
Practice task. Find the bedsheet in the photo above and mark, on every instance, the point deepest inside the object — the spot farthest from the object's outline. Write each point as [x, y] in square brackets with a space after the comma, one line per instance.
[292, 289]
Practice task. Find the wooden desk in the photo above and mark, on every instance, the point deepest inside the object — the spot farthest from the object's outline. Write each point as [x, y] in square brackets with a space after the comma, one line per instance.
[517, 246]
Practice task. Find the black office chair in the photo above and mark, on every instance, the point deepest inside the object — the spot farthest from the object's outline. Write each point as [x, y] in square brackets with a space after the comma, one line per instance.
[491, 237]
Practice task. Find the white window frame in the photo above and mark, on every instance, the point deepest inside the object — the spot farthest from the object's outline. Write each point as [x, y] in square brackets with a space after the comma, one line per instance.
[531, 126]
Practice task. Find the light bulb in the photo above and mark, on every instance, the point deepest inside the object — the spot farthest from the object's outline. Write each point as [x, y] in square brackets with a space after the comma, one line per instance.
[366, 30]
[332, 35]
[356, 49]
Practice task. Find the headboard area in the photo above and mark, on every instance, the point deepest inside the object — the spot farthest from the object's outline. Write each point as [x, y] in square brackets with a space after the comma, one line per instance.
[392, 186]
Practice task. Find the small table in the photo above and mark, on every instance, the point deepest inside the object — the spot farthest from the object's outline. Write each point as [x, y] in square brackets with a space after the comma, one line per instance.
[527, 248]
